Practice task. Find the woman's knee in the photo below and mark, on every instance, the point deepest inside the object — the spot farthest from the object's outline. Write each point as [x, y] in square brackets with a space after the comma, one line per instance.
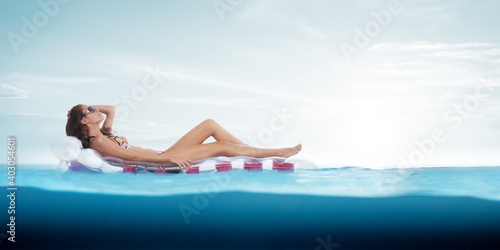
[209, 121]
[210, 124]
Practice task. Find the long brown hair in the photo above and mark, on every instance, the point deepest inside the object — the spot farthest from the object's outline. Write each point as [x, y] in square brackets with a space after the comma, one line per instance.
[75, 128]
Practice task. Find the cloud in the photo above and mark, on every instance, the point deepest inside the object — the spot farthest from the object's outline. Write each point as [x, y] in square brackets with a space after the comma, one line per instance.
[230, 85]
[233, 102]
[8, 91]
[467, 54]
[54, 79]
[429, 8]
[423, 63]
[427, 46]
[45, 115]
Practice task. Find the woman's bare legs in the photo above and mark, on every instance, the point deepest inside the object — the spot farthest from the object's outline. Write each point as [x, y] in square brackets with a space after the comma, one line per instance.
[201, 132]
[224, 148]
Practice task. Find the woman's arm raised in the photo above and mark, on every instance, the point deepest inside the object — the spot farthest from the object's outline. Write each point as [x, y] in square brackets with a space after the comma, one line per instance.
[107, 147]
[109, 111]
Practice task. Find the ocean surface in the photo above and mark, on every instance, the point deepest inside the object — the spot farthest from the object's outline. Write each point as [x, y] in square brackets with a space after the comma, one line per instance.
[324, 208]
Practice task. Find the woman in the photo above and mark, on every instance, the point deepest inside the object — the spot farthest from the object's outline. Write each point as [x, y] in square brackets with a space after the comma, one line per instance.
[83, 123]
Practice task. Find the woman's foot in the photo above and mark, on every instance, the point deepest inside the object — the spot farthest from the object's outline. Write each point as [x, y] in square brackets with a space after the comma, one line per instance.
[287, 152]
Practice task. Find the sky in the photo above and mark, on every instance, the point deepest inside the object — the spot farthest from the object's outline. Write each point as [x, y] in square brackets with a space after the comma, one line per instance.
[359, 83]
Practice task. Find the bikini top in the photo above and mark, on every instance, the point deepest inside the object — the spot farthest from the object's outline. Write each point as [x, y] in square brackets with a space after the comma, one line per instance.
[121, 140]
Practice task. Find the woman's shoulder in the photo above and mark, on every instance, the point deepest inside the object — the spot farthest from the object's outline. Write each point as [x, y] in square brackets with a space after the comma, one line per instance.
[101, 145]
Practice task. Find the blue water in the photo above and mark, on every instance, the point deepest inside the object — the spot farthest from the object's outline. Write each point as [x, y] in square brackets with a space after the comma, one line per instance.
[326, 208]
